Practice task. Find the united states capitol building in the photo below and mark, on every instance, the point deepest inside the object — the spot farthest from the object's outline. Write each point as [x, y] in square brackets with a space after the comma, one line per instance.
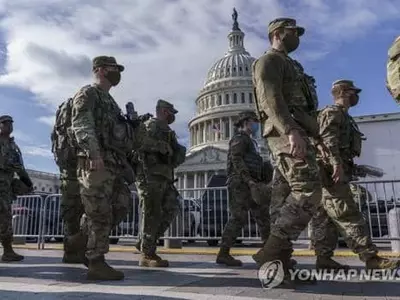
[227, 91]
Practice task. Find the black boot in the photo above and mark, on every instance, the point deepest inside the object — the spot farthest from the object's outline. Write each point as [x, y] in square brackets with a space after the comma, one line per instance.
[225, 258]
[100, 270]
[9, 255]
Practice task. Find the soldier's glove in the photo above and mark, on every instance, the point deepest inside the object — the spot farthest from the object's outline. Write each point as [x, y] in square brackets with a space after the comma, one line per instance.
[166, 149]
[260, 192]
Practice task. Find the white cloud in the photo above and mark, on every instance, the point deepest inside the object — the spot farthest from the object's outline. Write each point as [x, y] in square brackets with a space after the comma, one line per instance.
[42, 151]
[166, 46]
[48, 120]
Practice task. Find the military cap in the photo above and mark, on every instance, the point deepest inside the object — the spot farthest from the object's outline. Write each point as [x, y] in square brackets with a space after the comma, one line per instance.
[165, 104]
[6, 118]
[102, 61]
[285, 23]
[346, 84]
[244, 116]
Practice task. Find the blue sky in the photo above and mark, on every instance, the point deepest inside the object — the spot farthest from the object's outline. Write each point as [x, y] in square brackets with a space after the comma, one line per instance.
[168, 46]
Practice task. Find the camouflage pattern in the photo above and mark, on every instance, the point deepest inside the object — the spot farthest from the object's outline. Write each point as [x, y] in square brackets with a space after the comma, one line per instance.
[10, 163]
[282, 106]
[71, 204]
[244, 166]
[393, 70]
[100, 133]
[343, 139]
[159, 154]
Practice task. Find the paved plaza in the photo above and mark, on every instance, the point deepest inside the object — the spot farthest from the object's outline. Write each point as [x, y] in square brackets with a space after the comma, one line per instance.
[43, 276]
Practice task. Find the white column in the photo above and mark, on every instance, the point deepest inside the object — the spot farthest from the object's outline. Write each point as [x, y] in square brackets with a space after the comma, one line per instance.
[205, 178]
[198, 134]
[230, 128]
[204, 131]
[212, 133]
[195, 186]
[221, 130]
[185, 181]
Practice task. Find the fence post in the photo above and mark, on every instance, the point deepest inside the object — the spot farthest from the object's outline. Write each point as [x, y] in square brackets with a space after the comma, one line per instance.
[394, 228]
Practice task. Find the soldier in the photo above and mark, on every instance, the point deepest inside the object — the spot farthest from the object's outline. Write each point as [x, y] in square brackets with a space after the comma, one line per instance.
[10, 164]
[71, 204]
[103, 141]
[158, 157]
[246, 172]
[342, 137]
[286, 104]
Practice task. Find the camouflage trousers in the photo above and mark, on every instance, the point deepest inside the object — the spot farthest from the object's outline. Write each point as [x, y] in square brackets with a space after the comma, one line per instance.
[159, 205]
[71, 204]
[6, 196]
[290, 215]
[106, 199]
[339, 212]
[240, 203]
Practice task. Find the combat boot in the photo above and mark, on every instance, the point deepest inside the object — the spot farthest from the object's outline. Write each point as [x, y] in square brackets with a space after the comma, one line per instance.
[256, 257]
[380, 263]
[137, 245]
[153, 261]
[99, 270]
[224, 258]
[9, 254]
[74, 249]
[327, 263]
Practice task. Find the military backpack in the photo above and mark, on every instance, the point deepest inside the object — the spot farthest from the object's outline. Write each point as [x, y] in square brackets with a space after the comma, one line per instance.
[62, 146]
[393, 70]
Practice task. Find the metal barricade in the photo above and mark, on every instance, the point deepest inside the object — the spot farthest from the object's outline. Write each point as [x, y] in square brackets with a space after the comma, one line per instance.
[203, 215]
[26, 217]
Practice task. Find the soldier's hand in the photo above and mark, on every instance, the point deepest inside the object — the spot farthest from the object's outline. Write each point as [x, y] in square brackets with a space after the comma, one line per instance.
[298, 146]
[96, 164]
[338, 173]
[166, 149]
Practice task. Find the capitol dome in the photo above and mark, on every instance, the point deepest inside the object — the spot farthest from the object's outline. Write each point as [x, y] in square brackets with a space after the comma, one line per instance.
[227, 91]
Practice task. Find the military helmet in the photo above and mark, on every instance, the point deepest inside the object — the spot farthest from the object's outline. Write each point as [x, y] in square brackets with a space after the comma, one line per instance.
[245, 116]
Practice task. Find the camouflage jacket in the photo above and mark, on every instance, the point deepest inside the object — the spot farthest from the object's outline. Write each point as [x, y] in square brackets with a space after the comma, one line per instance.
[11, 159]
[159, 136]
[243, 159]
[285, 96]
[340, 134]
[99, 128]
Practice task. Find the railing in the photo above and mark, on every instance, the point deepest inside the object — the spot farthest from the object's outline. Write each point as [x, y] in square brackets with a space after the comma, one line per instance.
[203, 215]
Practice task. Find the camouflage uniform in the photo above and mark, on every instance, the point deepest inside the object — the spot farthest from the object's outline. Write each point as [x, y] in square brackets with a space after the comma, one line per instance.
[10, 164]
[284, 105]
[99, 132]
[341, 136]
[158, 157]
[244, 165]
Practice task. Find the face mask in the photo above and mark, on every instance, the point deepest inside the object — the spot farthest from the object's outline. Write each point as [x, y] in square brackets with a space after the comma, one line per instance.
[171, 119]
[290, 42]
[114, 77]
[354, 99]
[254, 127]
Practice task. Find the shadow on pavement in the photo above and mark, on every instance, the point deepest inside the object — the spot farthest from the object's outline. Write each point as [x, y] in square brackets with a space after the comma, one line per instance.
[79, 295]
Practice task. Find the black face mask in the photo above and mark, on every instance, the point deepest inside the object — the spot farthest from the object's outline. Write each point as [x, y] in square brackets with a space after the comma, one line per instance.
[171, 119]
[290, 42]
[354, 98]
[114, 77]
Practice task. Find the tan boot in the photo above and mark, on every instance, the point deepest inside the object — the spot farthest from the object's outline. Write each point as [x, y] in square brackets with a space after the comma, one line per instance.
[100, 270]
[9, 255]
[380, 263]
[224, 258]
[153, 261]
[327, 263]
[74, 250]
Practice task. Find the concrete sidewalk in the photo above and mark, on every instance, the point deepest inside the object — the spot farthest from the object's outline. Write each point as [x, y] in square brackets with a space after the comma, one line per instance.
[43, 276]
